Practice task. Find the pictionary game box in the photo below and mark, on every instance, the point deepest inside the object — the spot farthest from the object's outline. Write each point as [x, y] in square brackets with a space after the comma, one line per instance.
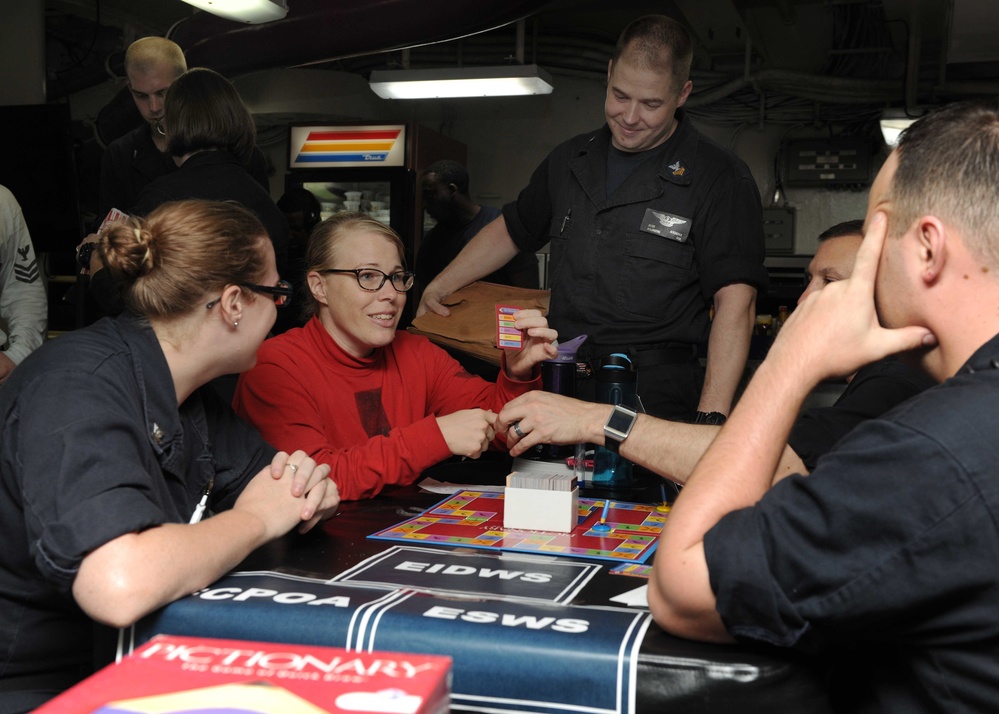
[176, 675]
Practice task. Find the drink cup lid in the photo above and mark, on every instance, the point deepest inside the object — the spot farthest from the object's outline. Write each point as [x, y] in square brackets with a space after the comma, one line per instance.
[567, 350]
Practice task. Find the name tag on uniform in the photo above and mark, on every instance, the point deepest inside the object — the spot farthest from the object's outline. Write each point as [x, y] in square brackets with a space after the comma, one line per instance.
[666, 225]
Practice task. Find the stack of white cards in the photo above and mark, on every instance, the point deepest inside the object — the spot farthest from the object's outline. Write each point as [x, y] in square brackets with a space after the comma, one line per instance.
[541, 502]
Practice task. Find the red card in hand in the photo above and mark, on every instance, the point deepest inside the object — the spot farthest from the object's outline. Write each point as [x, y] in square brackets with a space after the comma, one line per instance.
[113, 216]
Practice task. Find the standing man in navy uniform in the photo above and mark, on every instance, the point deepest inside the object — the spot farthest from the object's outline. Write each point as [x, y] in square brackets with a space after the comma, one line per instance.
[651, 226]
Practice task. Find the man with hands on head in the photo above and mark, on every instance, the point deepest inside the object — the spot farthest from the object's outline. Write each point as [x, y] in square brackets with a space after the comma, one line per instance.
[458, 219]
[889, 546]
[672, 449]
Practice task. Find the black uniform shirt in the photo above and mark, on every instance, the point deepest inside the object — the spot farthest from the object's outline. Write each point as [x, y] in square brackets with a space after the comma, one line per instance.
[889, 547]
[220, 176]
[641, 266]
[128, 164]
[874, 390]
[132, 161]
[94, 446]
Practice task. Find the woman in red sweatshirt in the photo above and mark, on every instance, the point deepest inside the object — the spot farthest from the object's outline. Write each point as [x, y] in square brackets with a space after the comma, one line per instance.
[376, 404]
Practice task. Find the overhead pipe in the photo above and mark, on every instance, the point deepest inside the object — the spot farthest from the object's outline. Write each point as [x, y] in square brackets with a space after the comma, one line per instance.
[319, 31]
[831, 90]
[945, 48]
[912, 60]
[519, 51]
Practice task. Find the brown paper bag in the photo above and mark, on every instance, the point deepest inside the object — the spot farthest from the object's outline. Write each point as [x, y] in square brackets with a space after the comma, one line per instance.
[471, 327]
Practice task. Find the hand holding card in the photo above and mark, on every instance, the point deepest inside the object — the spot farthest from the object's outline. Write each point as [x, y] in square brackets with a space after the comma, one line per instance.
[113, 216]
[507, 336]
[84, 251]
[525, 341]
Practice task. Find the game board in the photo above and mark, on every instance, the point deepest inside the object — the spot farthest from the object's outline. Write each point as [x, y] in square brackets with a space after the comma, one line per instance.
[474, 519]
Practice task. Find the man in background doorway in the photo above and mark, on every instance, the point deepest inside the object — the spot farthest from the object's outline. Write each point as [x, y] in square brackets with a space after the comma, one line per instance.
[303, 211]
[133, 160]
[459, 219]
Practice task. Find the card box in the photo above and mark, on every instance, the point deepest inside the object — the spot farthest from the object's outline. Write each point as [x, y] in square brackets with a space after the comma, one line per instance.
[534, 509]
[187, 674]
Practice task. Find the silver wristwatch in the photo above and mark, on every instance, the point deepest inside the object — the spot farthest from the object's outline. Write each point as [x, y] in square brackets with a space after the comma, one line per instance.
[618, 426]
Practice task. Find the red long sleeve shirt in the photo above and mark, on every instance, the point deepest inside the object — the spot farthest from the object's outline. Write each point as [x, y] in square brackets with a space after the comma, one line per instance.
[373, 420]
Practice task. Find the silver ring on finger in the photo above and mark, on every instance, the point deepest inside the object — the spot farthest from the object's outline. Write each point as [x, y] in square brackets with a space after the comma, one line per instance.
[516, 429]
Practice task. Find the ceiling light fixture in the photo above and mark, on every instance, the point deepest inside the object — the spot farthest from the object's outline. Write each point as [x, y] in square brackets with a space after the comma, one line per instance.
[445, 83]
[253, 12]
[893, 123]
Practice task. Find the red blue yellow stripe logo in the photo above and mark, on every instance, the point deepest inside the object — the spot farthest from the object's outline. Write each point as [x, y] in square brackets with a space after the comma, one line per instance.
[348, 146]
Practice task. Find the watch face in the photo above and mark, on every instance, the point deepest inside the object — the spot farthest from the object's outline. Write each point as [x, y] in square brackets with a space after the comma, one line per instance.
[83, 254]
[620, 423]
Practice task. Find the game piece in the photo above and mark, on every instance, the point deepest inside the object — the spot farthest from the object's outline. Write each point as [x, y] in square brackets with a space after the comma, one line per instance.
[664, 506]
[602, 526]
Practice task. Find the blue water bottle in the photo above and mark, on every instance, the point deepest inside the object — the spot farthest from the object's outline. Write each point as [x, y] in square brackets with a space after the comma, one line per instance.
[615, 385]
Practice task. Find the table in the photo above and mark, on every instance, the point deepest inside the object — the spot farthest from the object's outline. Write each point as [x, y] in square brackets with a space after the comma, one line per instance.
[668, 674]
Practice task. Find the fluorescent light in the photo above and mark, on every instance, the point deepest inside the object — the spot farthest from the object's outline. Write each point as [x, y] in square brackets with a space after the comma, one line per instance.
[461, 82]
[892, 128]
[253, 12]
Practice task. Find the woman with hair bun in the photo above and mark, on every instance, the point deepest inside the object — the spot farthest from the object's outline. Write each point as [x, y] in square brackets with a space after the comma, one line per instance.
[114, 453]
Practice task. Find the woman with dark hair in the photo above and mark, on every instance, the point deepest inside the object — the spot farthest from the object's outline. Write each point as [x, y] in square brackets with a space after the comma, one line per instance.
[376, 404]
[113, 453]
[210, 134]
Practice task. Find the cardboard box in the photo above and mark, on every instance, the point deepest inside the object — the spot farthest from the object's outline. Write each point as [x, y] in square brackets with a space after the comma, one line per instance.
[173, 674]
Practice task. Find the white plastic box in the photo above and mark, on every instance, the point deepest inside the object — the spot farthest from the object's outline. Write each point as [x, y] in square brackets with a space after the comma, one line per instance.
[535, 509]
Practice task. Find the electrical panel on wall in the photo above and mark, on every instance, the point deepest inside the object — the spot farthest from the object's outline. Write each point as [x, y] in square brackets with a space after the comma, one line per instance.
[813, 163]
[778, 230]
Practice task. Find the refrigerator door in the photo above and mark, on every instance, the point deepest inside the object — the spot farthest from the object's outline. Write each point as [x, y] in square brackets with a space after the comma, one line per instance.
[371, 197]
[386, 194]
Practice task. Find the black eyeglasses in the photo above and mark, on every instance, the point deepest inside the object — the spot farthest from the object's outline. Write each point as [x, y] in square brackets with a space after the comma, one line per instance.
[281, 292]
[372, 280]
